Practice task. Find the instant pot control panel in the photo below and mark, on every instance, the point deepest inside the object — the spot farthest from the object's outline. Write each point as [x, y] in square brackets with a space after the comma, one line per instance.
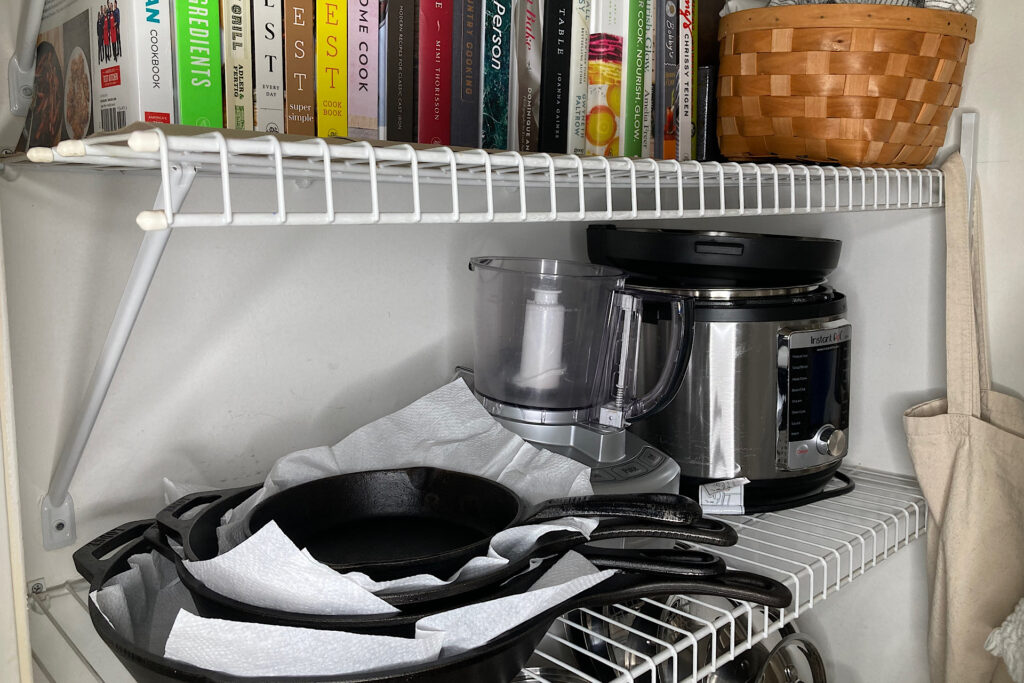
[814, 396]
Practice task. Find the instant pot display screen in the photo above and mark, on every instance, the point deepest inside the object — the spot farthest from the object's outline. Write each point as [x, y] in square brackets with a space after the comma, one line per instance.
[819, 389]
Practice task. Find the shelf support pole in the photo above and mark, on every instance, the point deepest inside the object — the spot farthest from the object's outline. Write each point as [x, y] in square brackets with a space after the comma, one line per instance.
[57, 508]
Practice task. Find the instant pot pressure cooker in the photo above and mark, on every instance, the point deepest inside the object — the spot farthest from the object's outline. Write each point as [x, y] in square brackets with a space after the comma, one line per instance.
[767, 392]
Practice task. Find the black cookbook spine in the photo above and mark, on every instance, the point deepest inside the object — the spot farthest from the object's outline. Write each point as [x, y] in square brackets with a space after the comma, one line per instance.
[555, 75]
[467, 23]
[401, 78]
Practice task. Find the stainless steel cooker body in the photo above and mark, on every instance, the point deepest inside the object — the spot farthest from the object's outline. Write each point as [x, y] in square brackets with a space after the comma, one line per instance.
[766, 394]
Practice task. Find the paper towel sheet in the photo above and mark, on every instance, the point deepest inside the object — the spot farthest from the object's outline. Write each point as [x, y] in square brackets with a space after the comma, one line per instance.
[448, 429]
[470, 627]
[142, 602]
[246, 649]
[268, 570]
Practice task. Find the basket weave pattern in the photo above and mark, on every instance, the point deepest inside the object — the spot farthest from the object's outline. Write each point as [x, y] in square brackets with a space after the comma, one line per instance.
[860, 85]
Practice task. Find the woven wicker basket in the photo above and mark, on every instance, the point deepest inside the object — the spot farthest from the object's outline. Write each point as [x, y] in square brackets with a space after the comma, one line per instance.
[860, 85]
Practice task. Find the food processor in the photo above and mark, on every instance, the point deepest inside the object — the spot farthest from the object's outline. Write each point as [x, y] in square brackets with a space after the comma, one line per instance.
[556, 362]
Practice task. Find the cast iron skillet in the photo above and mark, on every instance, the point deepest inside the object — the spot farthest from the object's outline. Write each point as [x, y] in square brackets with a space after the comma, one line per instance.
[198, 536]
[424, 520]
[510, 579]
[498, 660]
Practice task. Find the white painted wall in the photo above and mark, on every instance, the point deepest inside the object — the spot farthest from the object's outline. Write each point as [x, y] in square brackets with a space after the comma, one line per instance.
[256, 342]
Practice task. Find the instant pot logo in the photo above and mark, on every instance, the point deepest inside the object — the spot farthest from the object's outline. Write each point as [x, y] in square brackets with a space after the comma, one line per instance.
[827, 338]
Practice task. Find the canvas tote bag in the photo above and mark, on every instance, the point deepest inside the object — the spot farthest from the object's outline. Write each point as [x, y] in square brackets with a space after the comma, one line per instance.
[968, 451]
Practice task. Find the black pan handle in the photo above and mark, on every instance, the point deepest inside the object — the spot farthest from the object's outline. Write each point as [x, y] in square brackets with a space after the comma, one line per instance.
[170, 518]
[649, 561]
[663, 508]
[703, 531]
[95, 558]
[734, 585]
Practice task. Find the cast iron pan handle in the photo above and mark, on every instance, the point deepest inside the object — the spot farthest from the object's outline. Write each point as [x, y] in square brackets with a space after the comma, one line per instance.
[95, 558]
[703, 531]
[649, 561]
[170, 518]
[734, 585]
[664, 508]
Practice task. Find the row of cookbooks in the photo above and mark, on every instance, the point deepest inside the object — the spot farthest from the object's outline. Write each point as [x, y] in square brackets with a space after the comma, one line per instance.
[604, 77]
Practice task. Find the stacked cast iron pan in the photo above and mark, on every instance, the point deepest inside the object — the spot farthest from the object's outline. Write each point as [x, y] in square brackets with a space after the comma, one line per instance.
[453, 516]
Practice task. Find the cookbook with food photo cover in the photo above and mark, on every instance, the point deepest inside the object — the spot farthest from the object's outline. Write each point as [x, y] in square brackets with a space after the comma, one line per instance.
[100, 65]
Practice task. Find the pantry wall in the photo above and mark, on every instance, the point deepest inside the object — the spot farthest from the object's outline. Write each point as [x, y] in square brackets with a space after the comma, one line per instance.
[255, 342]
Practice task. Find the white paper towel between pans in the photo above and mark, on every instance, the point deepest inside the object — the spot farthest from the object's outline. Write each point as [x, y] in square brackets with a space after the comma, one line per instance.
[268, 570]
[244, 649]
[448, 429]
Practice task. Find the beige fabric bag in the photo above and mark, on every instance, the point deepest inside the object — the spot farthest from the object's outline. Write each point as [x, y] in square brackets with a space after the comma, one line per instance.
[968, 450]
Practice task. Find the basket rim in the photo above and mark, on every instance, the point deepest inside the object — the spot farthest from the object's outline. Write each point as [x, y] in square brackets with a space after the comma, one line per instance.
[918, 19]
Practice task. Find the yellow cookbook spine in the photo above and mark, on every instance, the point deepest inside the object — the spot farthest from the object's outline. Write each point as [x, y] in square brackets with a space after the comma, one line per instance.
[331, 68]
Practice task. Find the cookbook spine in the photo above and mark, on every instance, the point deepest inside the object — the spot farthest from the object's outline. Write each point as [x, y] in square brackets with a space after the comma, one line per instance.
[529, 47]
[299, 67]
[363, 26]
[237, 20]
[269, 65]
[435, 72]
[633, 71]
[555, 76]
[496, 64]
[200, 90]
[331, 68]
[666, 90]
[580, 43]
[604, 78]
[403, 30]
[648, 138]
[466, 73]
[382, 71]
[687, 58]
[154, 55]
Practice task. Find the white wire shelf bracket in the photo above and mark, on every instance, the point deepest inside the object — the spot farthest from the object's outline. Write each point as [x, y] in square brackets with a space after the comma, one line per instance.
[401, 183]
[816, 550]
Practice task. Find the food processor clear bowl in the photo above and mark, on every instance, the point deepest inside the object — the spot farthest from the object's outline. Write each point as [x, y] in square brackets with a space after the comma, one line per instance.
[543, 331]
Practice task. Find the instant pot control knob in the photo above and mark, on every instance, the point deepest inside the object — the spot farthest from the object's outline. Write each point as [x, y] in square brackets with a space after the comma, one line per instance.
[831, 441]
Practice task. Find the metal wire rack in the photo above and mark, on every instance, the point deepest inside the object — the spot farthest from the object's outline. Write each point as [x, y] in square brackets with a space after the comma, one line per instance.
[815, 550]
[402, 183]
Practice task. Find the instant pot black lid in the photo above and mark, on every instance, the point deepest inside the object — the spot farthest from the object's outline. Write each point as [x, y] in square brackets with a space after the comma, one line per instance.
[700, 259]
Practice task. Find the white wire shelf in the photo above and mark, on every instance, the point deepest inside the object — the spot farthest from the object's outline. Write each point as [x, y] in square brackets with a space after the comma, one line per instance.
[815, 550]
[401, 183]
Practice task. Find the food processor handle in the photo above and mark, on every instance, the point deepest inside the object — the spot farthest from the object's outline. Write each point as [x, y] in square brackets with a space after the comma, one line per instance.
[680, 311]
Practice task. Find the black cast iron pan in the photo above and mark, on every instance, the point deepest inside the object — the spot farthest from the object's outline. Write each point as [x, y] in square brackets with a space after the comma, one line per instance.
[424, 520]
[198, 537]
[498, 660]
[515, 577]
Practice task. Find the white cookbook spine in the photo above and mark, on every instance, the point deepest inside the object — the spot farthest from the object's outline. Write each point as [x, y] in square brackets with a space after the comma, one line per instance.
[578, 77]
[155, 61]
[686, 79]
[238, 93]
[268, 49]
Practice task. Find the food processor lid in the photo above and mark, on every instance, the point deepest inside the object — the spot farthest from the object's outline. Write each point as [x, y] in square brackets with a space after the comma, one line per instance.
[708, 259]
[543, 267]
